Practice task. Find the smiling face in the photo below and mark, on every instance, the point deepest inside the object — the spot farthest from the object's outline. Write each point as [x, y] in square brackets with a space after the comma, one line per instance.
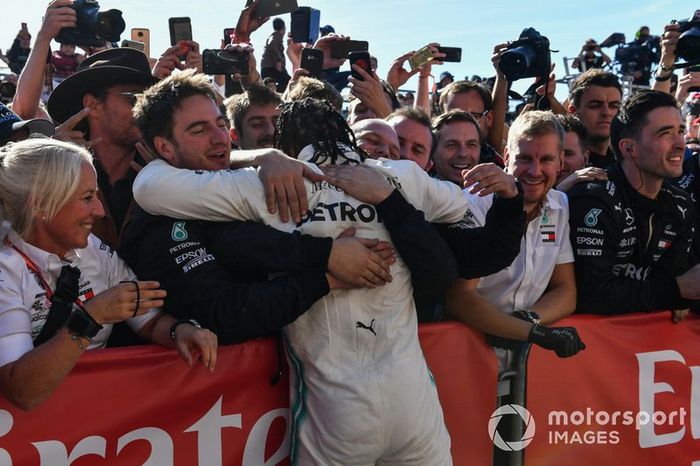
[200, 137]
[71, 226]
[258, 129]
[377, 138]
[656, 153]
[536, 162]
[457, 149]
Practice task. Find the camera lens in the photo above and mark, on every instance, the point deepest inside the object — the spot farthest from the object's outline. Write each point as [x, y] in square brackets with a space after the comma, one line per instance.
[516, 63]
[110, 25]
[688, 46]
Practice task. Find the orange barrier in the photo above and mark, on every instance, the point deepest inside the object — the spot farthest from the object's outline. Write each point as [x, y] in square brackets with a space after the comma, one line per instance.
[142, 405]
[632, 395]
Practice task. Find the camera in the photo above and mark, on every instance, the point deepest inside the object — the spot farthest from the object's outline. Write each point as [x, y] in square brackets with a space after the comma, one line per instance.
[529, 56]
[93, 27]
[225, 62]
[688, 46]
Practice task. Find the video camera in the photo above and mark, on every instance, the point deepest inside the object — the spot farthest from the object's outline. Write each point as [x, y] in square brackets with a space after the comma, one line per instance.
[529, 56]
[688, 45]
[93, 27]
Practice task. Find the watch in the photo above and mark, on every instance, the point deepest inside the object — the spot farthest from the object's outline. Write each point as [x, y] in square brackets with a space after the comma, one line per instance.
[528, 315]
[192, 322]
[82, 324]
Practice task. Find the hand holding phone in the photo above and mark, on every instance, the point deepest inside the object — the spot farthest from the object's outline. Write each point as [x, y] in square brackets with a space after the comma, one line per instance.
[180, 30]
[342, 48]
[421, 57]
[362, 60]
[312, 61]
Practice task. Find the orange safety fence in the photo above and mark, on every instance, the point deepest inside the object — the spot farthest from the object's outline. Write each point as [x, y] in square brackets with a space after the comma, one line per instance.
[142, 405]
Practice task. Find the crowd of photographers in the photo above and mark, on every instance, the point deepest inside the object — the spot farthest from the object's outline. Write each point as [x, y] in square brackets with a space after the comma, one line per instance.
[506, 224]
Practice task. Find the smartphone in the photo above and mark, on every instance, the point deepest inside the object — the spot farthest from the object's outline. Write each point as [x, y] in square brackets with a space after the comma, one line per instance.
[133, 44]
[225, 62]
[268, 8]
[180, 29]
[421, 57]
[142, 35]
[342, 48]
[361, 59]
[452, 54]
[228, 32]
[312, 61]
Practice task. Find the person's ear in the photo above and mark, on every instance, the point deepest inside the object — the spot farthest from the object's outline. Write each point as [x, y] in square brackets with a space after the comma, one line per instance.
[628, 147]
[91, 102]
[571, 109]
[165, 148]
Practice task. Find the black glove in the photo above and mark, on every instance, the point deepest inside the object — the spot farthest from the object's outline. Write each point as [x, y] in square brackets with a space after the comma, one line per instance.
[563, 340]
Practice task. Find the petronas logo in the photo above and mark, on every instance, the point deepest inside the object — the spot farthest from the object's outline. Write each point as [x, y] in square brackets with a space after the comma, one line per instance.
[591, 218]
[179, 233]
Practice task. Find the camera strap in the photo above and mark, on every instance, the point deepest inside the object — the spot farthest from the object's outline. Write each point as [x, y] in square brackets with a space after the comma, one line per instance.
[62, 299]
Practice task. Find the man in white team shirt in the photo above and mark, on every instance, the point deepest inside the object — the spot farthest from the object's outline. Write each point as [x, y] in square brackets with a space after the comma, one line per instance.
[539, 286]
[361, 391]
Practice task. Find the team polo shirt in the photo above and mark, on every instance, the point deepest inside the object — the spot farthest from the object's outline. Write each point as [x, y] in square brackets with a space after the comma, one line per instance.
[24, 303]
[545, 244]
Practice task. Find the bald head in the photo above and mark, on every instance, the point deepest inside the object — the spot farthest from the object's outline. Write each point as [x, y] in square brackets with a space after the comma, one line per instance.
[377, 138]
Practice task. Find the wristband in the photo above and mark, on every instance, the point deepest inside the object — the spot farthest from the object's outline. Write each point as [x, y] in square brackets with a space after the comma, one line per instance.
[528, 315]
[82, 324]
[660, 79]
[665, 68]
[173, 327]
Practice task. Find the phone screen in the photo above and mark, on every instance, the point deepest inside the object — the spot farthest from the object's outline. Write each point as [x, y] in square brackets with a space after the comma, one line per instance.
[421, 57]
[182, 31]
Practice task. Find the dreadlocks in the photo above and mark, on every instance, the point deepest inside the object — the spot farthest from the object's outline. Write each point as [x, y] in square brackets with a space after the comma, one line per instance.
[310, 121]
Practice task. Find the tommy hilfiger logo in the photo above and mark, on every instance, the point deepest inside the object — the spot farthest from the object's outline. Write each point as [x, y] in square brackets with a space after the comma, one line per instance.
[548, 236]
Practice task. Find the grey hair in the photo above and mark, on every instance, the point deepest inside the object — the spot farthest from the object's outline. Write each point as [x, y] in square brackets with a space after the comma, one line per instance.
[533, 124]
[37, 175]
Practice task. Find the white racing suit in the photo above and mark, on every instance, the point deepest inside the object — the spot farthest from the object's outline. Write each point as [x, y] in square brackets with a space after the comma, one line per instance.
[361, 392]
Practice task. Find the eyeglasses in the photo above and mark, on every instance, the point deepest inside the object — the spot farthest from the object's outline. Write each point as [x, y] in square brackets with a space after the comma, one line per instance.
[132, 96]
[478, 116]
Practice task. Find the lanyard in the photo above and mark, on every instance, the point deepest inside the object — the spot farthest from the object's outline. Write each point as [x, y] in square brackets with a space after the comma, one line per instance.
[36, 272]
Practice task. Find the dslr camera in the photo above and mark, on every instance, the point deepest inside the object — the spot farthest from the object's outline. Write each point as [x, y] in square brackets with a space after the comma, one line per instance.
[688, 46]
[225, 62]
[527, 57]
[93, 27]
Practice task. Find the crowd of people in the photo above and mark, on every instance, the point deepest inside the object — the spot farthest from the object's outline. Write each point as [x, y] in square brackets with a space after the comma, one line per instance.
[269, 211]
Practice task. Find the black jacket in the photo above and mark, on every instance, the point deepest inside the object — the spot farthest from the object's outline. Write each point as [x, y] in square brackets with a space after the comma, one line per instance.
[628, 249]
[217, 273]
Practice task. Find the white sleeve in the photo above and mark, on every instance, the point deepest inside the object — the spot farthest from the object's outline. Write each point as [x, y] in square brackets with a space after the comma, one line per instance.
[222, 195]
[15, 317]
[440, 201]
